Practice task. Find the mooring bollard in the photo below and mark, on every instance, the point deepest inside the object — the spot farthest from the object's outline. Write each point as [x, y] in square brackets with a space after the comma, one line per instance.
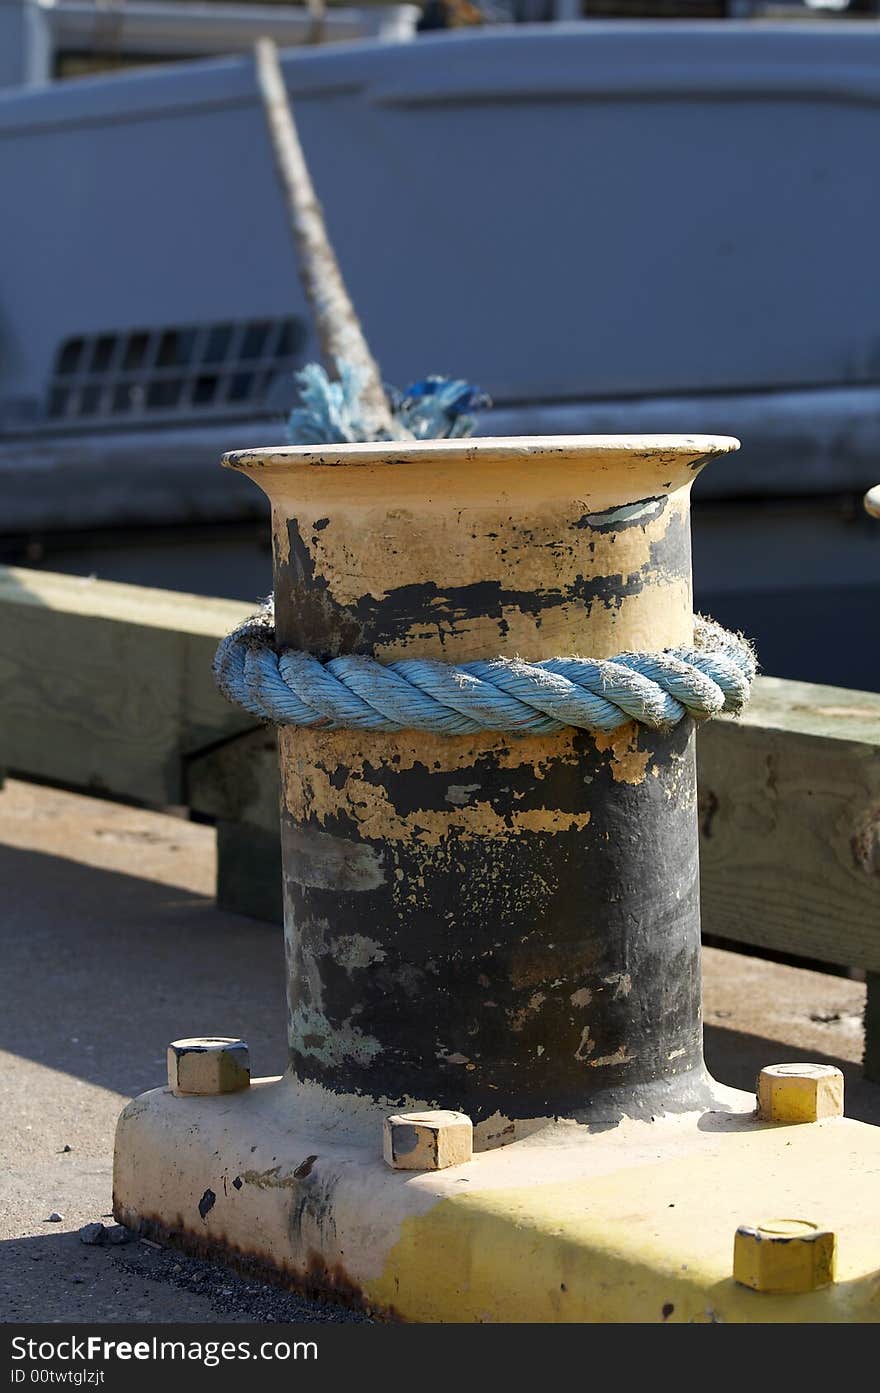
[499, 923]
[496, 1106]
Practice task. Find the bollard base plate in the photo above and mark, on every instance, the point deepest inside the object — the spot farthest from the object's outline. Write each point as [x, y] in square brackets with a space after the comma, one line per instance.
[633, 1222]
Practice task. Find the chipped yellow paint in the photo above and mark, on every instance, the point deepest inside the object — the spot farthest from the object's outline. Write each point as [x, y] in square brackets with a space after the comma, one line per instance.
[310, 793]
[621, 982]
[628, 763]
[586, 1045]
[357, 750]
[547, 820]
[280, 537]
[620, 1056]
[531, 512]
[358, 555]
[538, 547]
[378, 819]
[519, 1018]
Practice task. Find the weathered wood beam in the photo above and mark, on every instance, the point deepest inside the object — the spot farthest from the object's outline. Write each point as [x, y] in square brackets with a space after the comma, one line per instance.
[249, 877]
[790, 823]
[238, 781]
[237, 784]
[872, 1027]
[108, 686]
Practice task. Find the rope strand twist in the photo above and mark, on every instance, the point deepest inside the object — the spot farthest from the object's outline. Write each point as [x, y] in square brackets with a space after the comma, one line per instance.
[504, 694]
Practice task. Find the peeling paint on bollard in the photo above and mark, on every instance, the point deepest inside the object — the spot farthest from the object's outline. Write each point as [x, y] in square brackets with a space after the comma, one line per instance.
[500, 878]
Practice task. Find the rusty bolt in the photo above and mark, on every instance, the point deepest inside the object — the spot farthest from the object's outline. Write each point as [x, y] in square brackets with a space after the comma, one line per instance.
[872, 501]
[207, 1065]
[799, 1092]
[428, 1141]
[784, 1255]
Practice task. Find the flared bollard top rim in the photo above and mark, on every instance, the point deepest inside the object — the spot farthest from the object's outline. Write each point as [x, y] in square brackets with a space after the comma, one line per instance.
[694, 450]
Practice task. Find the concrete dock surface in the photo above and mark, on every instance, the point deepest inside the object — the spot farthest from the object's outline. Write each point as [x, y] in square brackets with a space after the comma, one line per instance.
[112, 946]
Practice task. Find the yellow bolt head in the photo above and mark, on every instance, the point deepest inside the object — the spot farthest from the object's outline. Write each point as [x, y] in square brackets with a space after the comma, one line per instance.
[799, 1092]
[784, 1255]
[208, 1064]
[428, 1141]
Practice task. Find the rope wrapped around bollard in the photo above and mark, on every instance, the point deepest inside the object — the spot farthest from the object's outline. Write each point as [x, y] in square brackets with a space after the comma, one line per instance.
[505, 694]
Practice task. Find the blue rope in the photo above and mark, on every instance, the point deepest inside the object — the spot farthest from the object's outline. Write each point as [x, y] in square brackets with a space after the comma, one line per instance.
[329, 412]
[358, 693]
[504, 694]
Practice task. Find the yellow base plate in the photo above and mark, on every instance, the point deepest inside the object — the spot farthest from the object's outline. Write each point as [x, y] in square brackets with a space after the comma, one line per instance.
[632, 1223]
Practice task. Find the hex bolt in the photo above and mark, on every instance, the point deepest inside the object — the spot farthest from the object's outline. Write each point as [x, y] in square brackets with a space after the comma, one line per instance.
[799, 1092]
[208, 1064]
[784, 1256]
[428, 1141]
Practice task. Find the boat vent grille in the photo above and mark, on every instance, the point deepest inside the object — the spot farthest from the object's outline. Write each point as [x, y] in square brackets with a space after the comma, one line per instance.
[190, 370]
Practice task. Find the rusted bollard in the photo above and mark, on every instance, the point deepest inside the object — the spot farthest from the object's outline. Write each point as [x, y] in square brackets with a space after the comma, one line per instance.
[499, 924]
[493, 940]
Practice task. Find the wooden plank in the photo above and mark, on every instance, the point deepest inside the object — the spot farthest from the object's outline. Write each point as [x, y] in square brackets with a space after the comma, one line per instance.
[238, 781]
[109, 686]
[790, 823]
[238, 785]
[805, 708]
[871, 1063]
[249, 877]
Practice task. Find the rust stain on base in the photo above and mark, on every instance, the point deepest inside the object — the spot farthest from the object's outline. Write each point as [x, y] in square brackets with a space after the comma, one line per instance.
[319, 1281]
